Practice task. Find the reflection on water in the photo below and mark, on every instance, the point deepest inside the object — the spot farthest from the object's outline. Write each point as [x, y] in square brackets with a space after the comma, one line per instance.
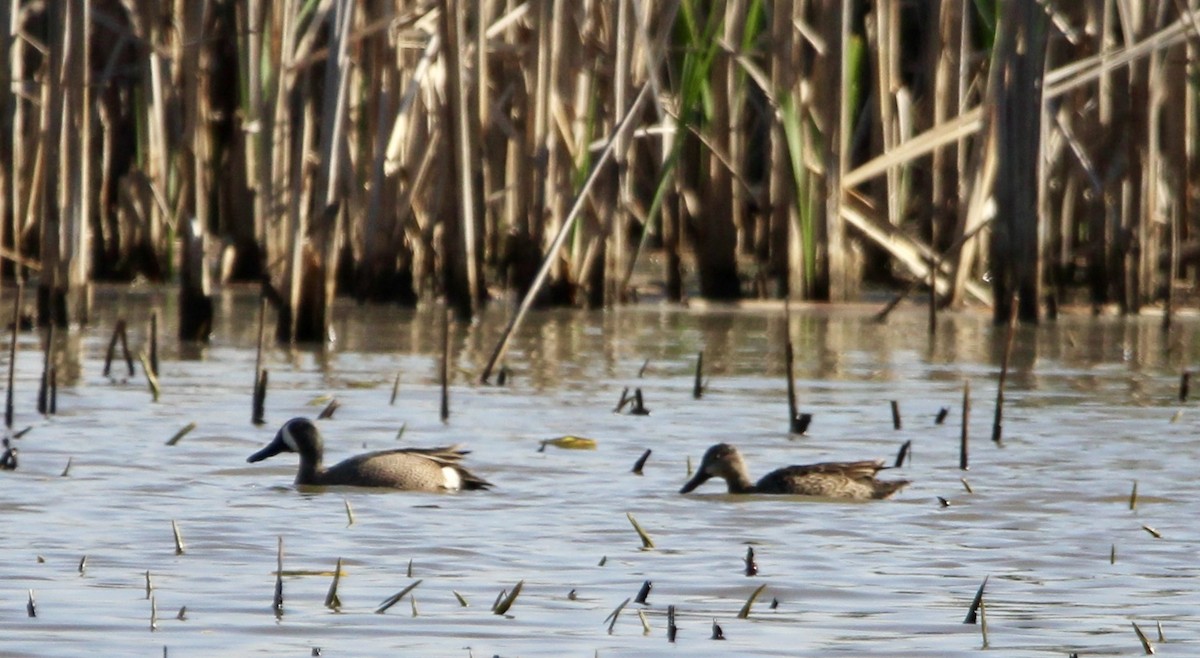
[1092, 407]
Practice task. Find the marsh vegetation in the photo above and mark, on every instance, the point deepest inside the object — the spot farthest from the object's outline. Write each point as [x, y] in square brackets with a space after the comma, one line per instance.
[407, 150]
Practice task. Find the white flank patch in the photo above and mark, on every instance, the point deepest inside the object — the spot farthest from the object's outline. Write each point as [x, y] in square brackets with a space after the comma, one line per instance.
[450, 478]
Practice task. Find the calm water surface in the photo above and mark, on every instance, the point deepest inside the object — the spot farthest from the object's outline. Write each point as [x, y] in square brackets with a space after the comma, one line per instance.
[1092, 407]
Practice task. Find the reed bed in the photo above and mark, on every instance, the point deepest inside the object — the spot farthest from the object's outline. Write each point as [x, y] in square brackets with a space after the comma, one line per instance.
[394, 150]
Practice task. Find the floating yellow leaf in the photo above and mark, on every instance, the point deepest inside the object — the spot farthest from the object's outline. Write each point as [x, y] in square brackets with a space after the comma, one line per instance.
[571, 443]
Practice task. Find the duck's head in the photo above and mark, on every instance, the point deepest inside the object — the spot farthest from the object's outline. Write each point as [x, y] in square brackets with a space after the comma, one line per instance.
[297, 435]
[723, 461]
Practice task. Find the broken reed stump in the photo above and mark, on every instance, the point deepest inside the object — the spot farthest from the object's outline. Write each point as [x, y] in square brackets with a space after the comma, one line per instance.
[180, 434]
[639, 405]
[941, 415]
[259, 403]
[277, 598]
[151, 378]
[751, 565]
[896, 425]
[637, 466]
[963, 463]
[998, 421]
[506, 601]
[178, 538]
[612, 616]
[396, 598]
[797, 422]
[258, 396]
[698, 383]
[744, 613]
[331, 598]
[903, 454]
[625, 399]
[8, 459]
[1147, 648]
[647, 542]
[327, 412]
[12, 362]
[644, 592]
[672, 629]
[973, 611]
[121, 335]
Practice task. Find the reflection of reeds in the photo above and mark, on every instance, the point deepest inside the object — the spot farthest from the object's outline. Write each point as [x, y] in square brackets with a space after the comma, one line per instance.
[444, 367]
[964, 459]
[12, 357]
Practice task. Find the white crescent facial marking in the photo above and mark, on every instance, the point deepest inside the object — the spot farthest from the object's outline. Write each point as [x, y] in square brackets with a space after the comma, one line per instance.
[451, 478]
[287, 438]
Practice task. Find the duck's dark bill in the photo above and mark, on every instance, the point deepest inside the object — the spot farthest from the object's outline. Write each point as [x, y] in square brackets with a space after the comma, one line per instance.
[700, 478]
[273, 448]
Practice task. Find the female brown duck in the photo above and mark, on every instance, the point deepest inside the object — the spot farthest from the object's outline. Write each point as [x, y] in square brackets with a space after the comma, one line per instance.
[411, 469]
[854, 480]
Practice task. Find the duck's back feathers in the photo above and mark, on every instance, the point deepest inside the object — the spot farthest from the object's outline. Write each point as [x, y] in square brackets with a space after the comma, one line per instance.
[413, 469]
[831, 480]
[854, 480]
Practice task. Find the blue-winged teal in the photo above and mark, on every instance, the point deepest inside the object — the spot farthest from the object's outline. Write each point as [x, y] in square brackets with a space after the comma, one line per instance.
[412, 469]
[830, 479]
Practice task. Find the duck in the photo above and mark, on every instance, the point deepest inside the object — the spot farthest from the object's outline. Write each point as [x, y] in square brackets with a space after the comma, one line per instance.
[849, 480]
[409, 469]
